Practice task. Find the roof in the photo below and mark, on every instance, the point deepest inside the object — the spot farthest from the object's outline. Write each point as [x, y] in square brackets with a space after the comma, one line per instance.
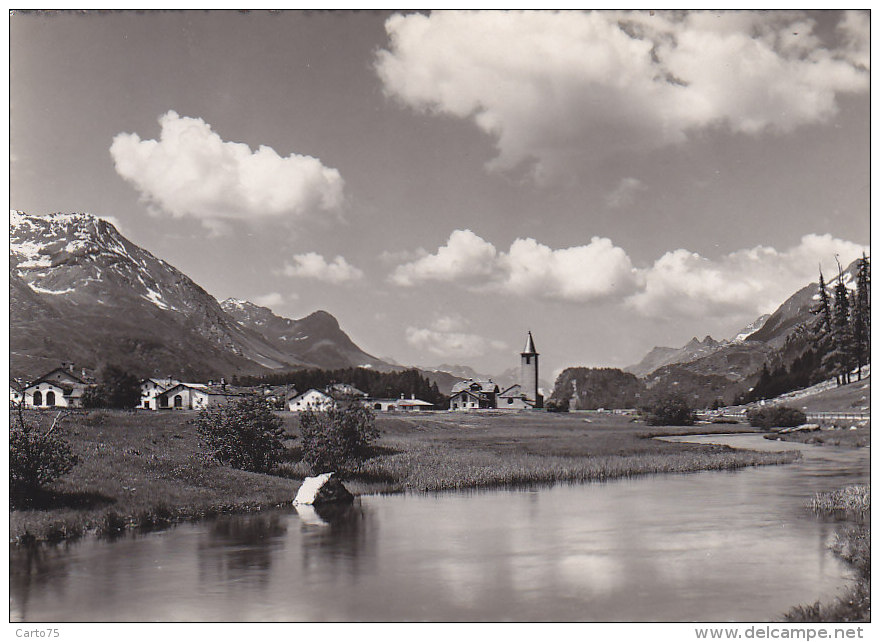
[67, 372]
[512, 391]
[303, 394]
[478, 396]
[475, 385]
[413, 402]
[345, 389]
[226, 391]
[530, 345]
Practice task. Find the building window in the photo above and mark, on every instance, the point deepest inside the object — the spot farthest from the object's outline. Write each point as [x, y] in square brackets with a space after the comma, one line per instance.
[509, 400]
[50, 398]
[38, 398]
[528, 360]
[178, 401]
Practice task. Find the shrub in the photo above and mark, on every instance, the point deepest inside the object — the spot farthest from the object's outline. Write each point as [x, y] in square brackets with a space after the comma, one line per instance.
[36, 457]
[775, 417]
[556, 405]
[337, 440]
[244, 434]
[118, 389]
[670, 411]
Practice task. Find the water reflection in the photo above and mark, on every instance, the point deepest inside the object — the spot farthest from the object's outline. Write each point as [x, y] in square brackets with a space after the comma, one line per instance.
[38, 569]
[337, 539]
[240, 548]
[704, 546]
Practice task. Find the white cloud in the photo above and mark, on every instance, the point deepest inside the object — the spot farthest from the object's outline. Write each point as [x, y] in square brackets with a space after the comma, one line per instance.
[749, 281]
[465, 256]
[191, 171]
[314, 266]
[270, 299]
[625, 192]
[551, 85]
[446, 337]
[528, 268]
[745, 282]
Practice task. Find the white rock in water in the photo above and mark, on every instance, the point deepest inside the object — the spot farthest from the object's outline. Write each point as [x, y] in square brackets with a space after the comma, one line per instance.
[320, 490]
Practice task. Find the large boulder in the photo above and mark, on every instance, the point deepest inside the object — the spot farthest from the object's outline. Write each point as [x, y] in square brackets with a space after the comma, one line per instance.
[322, 489]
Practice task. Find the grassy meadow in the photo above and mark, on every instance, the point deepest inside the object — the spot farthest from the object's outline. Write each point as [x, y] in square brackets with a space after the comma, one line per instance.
[145, 469]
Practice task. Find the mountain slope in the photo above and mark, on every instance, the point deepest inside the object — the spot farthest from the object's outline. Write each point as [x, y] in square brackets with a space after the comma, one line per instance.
[80, 291]
[662, 356]
[315, 339]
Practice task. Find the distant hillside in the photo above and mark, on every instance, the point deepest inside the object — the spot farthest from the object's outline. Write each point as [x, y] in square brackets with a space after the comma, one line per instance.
[593, 388]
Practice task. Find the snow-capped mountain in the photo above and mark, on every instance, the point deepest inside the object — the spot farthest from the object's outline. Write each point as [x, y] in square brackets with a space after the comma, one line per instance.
[80, 291]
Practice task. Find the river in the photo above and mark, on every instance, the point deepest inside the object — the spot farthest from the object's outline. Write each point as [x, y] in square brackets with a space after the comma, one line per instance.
[709, 546]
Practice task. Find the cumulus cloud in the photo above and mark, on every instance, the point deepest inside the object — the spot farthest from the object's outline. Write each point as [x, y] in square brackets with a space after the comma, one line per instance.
[465, 256]
[446, 337]
[753, 281]
[312, 265]
[190, 171]
[270, 299]
[550, 85]
[681, 282]
[528, 268]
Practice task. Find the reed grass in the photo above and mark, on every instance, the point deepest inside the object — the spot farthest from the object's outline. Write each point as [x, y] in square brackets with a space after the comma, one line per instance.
[852, 543]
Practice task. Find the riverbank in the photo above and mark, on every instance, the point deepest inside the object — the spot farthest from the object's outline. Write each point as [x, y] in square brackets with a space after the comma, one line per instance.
[852, 543]
[845, 436]
[145, 470]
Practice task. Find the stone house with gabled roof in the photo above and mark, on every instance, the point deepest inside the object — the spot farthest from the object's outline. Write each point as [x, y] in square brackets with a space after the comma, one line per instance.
[61, 387]
[196, 396]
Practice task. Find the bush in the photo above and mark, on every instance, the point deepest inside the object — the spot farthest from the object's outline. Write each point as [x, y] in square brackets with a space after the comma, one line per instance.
[337, 440]
[244, 434]
[118, 389]
[556, 405]
[671, 411]
[775, 417]
[36, 457]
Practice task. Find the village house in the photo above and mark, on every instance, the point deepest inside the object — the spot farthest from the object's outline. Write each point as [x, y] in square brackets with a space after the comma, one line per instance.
[152, 388]
[400, 404]
[61, 387]
[16, 392]
[474, 394]
[196, 396]
[311, 399]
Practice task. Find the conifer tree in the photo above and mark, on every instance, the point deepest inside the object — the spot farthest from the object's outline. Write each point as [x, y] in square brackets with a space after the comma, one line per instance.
[839, 358]
[822, 326]
[860, 311]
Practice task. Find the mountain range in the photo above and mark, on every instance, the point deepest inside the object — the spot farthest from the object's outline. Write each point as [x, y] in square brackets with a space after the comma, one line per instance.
[707, 370]
[80, 291]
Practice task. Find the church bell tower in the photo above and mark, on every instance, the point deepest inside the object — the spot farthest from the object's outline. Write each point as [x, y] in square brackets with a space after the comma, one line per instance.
[528, 372]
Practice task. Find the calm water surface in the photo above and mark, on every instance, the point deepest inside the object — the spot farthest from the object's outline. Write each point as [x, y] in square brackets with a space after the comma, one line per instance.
[713, 546]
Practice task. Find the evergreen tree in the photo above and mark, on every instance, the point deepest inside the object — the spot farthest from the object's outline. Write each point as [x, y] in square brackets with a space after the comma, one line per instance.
[822, 326]
[861, 315]
[839, 359]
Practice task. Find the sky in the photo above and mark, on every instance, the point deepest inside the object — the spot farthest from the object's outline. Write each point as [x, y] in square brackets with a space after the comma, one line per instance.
[444, 182]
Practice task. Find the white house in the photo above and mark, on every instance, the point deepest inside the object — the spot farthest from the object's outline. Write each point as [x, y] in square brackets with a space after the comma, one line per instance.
[152, 388]
[58, 388]
[473, 394]
[16, 392]
[311, 399]
[195, 396]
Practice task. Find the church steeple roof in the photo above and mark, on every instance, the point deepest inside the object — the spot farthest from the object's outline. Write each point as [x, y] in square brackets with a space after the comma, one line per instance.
[530, 345]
